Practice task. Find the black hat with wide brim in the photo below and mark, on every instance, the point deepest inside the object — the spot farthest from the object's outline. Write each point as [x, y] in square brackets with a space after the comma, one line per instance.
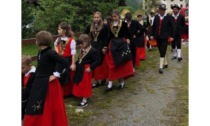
[162, 7]
[175, 6]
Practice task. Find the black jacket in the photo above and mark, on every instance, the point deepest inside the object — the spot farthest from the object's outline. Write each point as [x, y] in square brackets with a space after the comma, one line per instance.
[138, 30]
[179, 24]
[167, 27]
[102, 40]
[123, 33]
[91, 58]
[48, 62]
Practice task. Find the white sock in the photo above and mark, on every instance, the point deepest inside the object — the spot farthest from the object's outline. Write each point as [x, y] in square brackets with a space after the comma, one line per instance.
[84, 100]
[161, 62]
[179, 52]
[110, 84]
[122, 82]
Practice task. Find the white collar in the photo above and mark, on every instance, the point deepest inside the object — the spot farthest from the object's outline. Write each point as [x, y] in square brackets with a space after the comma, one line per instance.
[116, 23]
[163, 15]
[64, 38]
[32, 70]
[175, 15]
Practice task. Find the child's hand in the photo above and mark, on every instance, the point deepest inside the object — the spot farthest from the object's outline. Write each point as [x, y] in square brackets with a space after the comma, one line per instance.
[104, 50]
[73, 67]
[88, 69]
[52, 77]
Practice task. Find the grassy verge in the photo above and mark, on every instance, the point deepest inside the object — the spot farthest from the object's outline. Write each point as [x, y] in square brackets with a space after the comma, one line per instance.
[183, 95]
[177, 111]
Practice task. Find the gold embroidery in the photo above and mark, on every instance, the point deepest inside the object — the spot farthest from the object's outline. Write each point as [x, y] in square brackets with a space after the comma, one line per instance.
[63, 46]
[114, 30]
[95, 34]
[83, 55]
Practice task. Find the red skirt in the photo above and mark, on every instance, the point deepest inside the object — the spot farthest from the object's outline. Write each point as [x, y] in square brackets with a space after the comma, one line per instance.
[67, 88]
[101, 72]
[54, 113]
[123, 71]
[84, 87]
[140, 53]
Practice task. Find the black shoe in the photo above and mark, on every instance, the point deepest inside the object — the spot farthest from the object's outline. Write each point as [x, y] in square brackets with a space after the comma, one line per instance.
[180, 58]
[121, 86]
[95, 85]
[160, 70]
[82, 104]
[103, 82]
[165, 66]
[107, 89]
[174, 57]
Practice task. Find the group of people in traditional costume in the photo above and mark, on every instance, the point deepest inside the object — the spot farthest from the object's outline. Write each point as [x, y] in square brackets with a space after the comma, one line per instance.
[109, 50]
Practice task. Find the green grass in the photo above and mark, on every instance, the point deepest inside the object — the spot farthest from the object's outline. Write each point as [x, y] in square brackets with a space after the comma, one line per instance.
[30, 49]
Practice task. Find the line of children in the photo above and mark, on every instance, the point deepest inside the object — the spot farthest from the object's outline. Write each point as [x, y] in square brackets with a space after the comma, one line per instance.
[65, 45]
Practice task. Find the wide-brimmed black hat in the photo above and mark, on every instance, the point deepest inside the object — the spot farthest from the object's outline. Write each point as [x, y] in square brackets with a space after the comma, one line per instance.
[175, 6]
[162, 6]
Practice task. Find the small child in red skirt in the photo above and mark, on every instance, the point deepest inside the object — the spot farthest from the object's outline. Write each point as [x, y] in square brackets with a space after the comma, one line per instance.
[87, 61]
[28, 75]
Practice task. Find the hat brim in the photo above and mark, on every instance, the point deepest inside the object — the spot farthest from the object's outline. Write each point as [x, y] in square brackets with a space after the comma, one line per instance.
[162, 8]
[175, 7]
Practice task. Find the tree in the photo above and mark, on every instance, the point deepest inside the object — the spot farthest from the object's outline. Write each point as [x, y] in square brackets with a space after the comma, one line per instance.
[76, 12]
[27, 18]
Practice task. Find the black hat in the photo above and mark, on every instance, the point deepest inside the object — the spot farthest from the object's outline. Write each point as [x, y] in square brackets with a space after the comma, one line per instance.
[162, 6]
[175, 6]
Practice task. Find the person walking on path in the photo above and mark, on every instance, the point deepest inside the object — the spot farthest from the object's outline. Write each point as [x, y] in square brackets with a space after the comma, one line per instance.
[179, 22]
[162, 29]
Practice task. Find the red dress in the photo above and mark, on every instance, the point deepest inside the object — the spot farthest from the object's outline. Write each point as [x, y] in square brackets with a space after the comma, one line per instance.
[67, 88]
[84, 87]
[123, 71]
[54, 113]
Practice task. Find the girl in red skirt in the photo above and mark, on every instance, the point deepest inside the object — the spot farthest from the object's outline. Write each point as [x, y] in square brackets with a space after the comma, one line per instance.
[45, 104]
[98, 33]
[65, 45]
[119, 58]
[87, 61]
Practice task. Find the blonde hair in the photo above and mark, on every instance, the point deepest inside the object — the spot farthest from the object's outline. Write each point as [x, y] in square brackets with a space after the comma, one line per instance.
[92, 27]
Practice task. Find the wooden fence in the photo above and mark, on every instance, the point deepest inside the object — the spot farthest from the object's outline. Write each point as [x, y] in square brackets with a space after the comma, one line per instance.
[33, 41]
